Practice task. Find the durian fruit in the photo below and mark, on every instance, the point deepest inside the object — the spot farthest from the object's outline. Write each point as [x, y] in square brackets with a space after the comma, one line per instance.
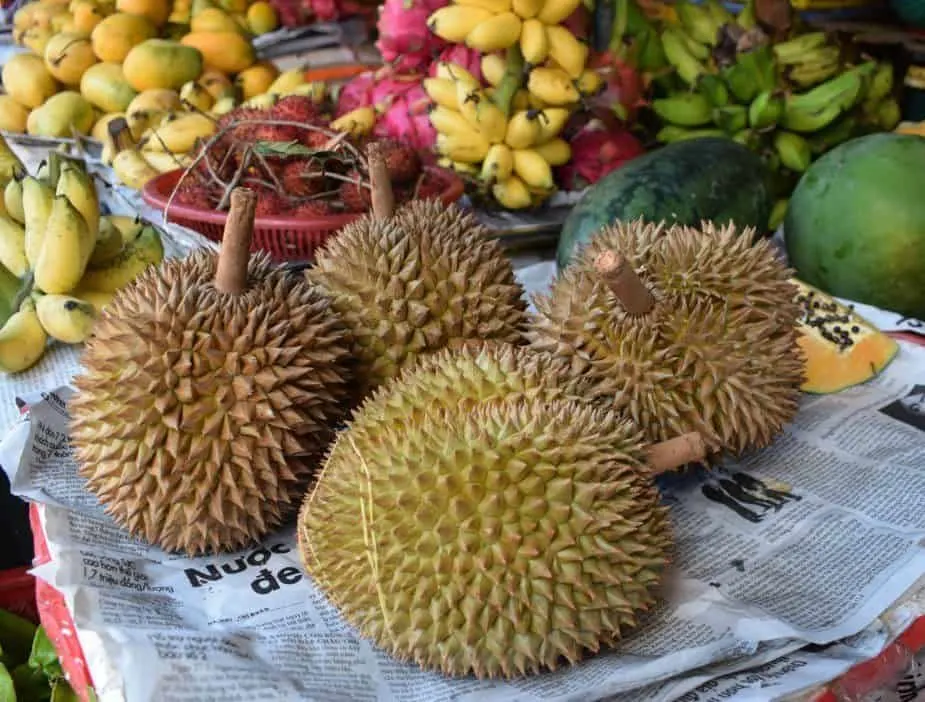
[206, 396]
[682, 330]
[416, 280]
[501, 527]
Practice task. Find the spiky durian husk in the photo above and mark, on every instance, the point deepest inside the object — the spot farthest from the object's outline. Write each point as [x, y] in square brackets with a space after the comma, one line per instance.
[718, 352]
[200, 417]
[425, 279]
[497, 535]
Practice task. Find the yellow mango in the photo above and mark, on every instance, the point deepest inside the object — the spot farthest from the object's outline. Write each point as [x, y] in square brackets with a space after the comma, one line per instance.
[162, 63]
[61, 22]
[13, 116]
[68, 56]
[233, 5]
[261, 18]
[228, 52]
[86, 16]
[27, 80]
[155, 10]
[105, 87]
[213, 19]
[36, 39]
[118, 34]
[216, 82]
[257, 79]
[62, 113]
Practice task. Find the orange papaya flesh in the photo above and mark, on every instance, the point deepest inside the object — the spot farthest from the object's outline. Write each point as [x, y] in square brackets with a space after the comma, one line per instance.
[840, 347]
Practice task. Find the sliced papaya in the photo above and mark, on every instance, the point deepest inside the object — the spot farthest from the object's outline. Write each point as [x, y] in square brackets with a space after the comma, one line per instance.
[842, 349]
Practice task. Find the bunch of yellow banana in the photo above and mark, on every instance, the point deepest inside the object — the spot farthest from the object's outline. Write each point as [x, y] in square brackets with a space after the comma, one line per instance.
[69, 259]
[512, 156]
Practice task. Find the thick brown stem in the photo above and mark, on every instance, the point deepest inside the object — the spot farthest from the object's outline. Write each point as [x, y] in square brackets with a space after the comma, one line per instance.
[622, 280]
[383, 198]
[674, 453]
[231, 273]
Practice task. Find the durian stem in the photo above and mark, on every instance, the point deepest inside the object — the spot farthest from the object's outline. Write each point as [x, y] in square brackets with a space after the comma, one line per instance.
[622, 280]
[674, 453]
[231, 272]
[383, 199]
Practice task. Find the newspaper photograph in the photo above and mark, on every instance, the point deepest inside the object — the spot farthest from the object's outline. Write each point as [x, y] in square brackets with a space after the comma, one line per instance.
[807, 542]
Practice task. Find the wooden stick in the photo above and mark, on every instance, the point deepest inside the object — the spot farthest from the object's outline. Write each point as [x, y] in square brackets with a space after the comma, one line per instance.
[383, 198]
[231, 273]
[674, 453]
[624, 283]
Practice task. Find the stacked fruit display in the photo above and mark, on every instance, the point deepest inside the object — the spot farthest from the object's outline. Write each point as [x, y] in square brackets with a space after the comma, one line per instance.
[66, 260]
[789, 100]
[90, 59]
[298, 163]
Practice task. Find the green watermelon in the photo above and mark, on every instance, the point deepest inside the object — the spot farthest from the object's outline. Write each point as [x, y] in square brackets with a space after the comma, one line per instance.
[855, 226]
[686, 182]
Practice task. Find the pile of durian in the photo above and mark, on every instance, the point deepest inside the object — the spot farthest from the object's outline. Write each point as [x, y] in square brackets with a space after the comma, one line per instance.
[473, 485]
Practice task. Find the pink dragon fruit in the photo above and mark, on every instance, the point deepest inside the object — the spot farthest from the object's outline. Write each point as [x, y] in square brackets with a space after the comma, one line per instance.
[470, 59]
[596, 151]
[623, 87]
[404, 39]
[401, 101]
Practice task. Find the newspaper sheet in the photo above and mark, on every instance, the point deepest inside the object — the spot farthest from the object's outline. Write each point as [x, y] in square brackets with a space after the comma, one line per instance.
[809, 541]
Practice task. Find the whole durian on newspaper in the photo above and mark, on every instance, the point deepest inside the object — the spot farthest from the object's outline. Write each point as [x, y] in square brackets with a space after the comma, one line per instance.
[480, 516]
[207, 396]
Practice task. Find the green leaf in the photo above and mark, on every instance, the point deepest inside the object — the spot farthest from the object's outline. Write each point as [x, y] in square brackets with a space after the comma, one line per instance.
[62, 692]
[16, 636]
[44, 657]
[7, 689]
[282, 148]
[31, 685]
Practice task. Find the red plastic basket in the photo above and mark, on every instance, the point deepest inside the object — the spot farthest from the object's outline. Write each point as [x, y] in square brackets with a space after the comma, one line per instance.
[285, 238]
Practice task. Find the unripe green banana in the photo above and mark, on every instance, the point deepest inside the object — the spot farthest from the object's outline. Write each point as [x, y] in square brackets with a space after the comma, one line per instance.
[881, 82]
[699, 22]
[685, 109]
[808, 75]
[671, 133]
[748, 138]
[699, 51]
[793, 150]
[689, 69]
[807, 121]
[778, 212]
[731, 119]
[792, 50]
[765, 110]
[715, 90]
[889, 114]
[836, 133]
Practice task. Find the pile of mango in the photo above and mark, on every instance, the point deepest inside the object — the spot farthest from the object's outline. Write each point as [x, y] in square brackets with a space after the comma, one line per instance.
[89, 60]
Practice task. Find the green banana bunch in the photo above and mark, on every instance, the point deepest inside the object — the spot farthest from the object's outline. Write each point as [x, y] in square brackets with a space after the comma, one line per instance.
[748, 138]
[881, 82]
[715, 90]
[808, 75]
[766, 110]
[836, 133]
[671, 133]
[700, 22]
[699, 51]
[795, 50]
[688, 66]
[753, 72]
[731, 118]
[684, 109]
[747, 19]
[793, 150]
[813, 110]
[720, 14]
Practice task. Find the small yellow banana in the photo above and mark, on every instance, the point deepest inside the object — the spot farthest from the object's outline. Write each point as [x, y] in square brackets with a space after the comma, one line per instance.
[551, 122]
[13, 246]
[98, 299]
[64, 254]
[316, 90]
[498, 163]
[464, 149]
[12, 200]
[527, 9]
[533, 169]
[455, 73]
[76, 185]
[196, 96]
[557, 152]
[512, 193]
[108, 243]
[146, 249]
[128, 226]
[442, 91]
[357, 122]
[464, 168]
[451, 122]
[287, 80]
[557, 11]
[180, 135]
[534, 42]
[589, 82]
[552, 85]
[65, 318]
[132, 170]
[521, 100]
[22, 339]
[478, 109]
[522, 130]
[495, 33]
[37, 199]
[222, 106]
[454, 22]
[163, 162]
[567, 51]
[494, 67]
